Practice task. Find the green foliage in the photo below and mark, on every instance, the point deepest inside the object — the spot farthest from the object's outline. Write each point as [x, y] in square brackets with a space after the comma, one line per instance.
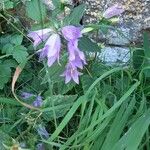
[5, 75]
[109, 109]
[86, 44]
[36, 10]
[6, 4]
[76, 15]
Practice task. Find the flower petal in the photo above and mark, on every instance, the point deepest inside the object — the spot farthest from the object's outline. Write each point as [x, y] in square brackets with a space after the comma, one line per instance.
[71, 33]
[113, 11]
[51, 60]
[39, 36]
[54, 44]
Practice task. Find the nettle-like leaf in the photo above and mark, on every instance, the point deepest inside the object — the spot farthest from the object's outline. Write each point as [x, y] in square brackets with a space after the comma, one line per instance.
[57, 104]
[7, 48]
[16, 39]
[6, 4]
[5, 74]
[86, 44]
[20, 53]
[5, 71]
[36, 10]
[5, 138]
[13, 47]
[75, 17]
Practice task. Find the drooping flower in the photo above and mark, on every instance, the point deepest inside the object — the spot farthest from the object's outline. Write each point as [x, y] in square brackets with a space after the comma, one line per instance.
[71, 33]
[40, 146]
[40, 35]
[71, 73]
[113, 11]
[43, 132]
[38, 101]
[51, 49]
[26, 95]
[76, 56]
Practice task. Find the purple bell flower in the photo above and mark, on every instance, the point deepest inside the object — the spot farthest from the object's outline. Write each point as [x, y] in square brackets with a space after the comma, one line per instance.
[26, 95]
[71, 33]
[76, 56]
[42, 132]
[71, 73]
[39, 36]
[113, 11]
[51, 49]
[40, 146]
[38, 101]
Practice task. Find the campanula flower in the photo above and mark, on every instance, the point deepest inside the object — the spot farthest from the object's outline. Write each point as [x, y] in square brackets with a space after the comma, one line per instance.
[26, 95]
[71, 73]
[38, 101]
[40, 146]
[39, 36]
[113, 11]
[51, 49]
[71, 33]
[43, 132]
[76, 56]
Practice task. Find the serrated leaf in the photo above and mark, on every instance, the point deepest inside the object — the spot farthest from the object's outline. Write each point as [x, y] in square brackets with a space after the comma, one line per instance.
[59, 104]
[5, 74]
[20, 54]
[36, 10]
[9, 101]
[86, 44]
[8, 5]
[57, 3]
[8, 48]
[5, 138]
[75, 17]
[16, 39]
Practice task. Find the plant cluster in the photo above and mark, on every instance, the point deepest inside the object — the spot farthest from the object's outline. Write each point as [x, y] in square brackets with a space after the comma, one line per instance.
[96, 107]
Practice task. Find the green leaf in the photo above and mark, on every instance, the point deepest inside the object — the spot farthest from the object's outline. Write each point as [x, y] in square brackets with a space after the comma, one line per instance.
[147, 55]
[146, 45]
[5, 138]
[133, 137]
[57, 104]
[118, 124]
[5, 74]
[8, 48]
[8, 5]
[16, 39]
[86, 44]
[9, 101]
[75, 17]
[36, 10]
[57, 3]
[20, 54]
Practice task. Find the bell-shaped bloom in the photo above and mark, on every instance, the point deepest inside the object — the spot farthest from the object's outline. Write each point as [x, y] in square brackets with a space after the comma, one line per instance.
[76, 56]
[26, 95]
[71, 73]
[51, 49]
[113, 11]
[40, 146]
[71, 33]
[43, 132]
[39, 36]
[38, 101]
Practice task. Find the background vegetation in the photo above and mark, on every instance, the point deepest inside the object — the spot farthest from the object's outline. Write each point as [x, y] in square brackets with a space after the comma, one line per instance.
[109, 109]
